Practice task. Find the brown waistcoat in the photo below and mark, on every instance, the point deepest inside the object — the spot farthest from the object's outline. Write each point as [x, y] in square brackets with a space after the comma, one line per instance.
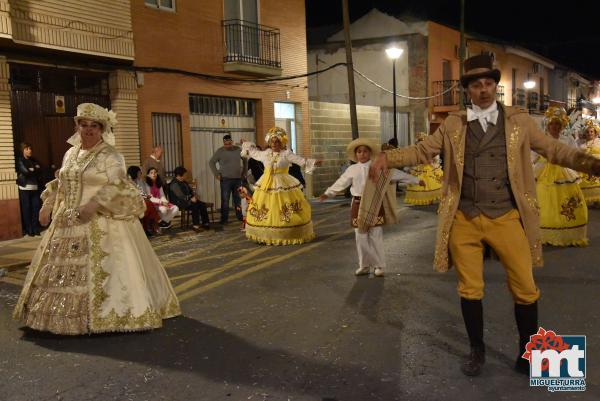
[485, 187]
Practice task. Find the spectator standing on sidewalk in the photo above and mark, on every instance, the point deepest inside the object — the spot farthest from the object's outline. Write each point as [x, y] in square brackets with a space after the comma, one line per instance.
[28, 180]
[155, 161]
[229, 173]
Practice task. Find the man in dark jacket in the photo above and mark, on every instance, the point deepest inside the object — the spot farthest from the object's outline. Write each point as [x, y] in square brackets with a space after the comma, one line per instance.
[28, 181]
[182, 195]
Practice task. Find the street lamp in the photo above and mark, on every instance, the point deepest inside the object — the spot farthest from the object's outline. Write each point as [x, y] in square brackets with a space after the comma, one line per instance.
[394, 53]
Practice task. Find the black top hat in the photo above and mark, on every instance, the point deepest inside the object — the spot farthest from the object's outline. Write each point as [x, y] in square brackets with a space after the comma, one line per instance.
[480, 66]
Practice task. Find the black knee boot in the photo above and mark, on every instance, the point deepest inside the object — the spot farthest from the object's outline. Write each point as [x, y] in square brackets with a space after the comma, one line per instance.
[472, 311]
[527, 323]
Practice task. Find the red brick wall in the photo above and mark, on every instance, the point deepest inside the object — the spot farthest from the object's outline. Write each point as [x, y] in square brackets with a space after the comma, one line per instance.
[191, 39]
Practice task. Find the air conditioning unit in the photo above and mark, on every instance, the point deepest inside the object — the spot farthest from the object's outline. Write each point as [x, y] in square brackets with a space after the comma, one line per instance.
[457, 52]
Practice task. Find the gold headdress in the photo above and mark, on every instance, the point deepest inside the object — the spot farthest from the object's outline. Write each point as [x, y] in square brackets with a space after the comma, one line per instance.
[592, 123]
[277, 132]
[556, 113]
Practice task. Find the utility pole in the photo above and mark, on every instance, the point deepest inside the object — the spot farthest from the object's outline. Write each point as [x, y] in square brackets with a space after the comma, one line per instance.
[350, 69]
[461, 98]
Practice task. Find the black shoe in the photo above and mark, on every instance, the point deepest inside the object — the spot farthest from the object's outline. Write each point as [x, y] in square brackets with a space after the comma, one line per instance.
[473, 364]
[164, 224]
[206, 226]
[522, 366]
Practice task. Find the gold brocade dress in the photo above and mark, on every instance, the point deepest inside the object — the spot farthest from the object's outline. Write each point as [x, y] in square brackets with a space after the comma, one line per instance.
[563, 210]
[431, 175]
[590, 185]
[279, 213]
[99, 276]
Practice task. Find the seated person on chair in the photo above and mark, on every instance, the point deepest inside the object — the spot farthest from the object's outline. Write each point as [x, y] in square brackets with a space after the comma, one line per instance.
[153, 187]
[185, 198]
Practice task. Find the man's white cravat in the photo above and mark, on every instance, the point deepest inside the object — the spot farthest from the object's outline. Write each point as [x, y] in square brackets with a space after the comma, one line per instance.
[485, 116]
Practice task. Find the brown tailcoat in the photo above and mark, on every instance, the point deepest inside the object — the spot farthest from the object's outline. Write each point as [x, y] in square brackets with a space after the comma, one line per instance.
[522, 136]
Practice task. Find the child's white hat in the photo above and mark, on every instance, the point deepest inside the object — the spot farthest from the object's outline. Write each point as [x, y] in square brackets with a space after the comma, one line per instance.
[369, 143]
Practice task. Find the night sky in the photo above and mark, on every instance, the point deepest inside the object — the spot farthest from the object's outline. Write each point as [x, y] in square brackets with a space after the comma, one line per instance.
[568, 34]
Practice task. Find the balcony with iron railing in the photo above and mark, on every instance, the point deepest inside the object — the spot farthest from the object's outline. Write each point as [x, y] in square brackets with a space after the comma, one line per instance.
[545, 103]
[251, 48]
[533, 100]
[449, 94]
[448, 91]
[519, 97]
[572, 103]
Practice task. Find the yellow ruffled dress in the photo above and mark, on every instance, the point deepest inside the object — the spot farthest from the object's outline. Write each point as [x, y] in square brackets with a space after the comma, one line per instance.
[279, 213]
[590, 185]
[431, 175]
[563, 210]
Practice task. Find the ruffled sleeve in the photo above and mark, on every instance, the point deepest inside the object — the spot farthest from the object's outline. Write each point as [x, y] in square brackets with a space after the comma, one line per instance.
[53, 194]
[308, 164]
[119, 198]
[50, 195]
[249, 150]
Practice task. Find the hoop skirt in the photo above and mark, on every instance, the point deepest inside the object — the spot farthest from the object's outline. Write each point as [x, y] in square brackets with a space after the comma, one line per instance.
[563, 209]
[279, 213]
[431, 175]
[590, 185]
[98, 276]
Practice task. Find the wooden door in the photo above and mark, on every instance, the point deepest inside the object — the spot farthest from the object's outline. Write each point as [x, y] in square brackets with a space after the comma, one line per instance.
[58, 129]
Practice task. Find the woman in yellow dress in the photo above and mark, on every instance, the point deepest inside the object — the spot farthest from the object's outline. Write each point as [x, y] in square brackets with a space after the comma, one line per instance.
[563, 211]
[590, 143]
[279, 214]
[431, 174]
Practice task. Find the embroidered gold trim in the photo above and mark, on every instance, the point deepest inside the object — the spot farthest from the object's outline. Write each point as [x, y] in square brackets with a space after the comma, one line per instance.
[283, 236]
[288, 209]
[533, 203]
[278, 189]
[259, 214]
[567, 208]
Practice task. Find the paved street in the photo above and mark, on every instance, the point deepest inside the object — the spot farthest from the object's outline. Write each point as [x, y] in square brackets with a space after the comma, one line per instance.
[293, 323]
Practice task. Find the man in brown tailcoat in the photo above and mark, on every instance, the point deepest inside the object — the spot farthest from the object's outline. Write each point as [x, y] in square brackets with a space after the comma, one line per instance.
[488, 198]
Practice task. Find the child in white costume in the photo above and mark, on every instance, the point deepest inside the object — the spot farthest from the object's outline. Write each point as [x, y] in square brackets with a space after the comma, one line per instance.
[369, 245]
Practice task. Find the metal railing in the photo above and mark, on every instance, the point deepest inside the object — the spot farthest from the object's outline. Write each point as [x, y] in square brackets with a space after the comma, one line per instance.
[449, 98]
[251, 43]
[532, 100]
[500, 93]
[519, 98]
[545, 103]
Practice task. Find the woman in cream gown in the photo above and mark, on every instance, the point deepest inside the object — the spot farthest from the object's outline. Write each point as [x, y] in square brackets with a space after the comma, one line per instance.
[279, 214]
[94, 270]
